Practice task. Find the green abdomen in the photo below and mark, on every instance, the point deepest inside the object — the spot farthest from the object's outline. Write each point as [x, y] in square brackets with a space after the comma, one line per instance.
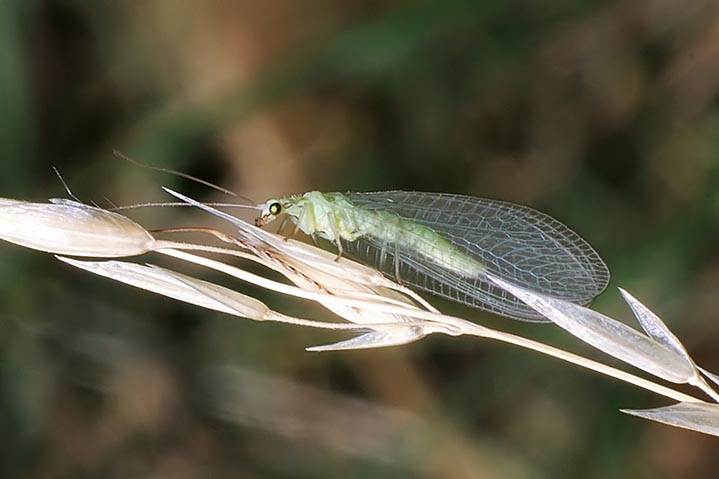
[413, 243]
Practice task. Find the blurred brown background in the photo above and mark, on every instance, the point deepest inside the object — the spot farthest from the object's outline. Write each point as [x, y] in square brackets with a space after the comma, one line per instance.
[604, 114]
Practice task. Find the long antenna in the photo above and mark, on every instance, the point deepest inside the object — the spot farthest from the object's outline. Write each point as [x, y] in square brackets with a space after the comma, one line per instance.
[122, 156]
[177, 203]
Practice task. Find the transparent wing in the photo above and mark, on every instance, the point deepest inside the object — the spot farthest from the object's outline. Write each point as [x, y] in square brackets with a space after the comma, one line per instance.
[516, 243]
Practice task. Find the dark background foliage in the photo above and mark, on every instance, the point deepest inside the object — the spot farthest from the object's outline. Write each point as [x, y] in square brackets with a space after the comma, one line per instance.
[604, 114]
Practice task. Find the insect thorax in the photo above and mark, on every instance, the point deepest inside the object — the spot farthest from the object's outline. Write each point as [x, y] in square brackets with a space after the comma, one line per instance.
[329, 215]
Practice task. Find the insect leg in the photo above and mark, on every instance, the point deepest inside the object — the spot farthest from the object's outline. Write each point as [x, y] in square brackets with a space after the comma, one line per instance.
[339, 249]
[396, 262]
[383, 255]
[300, 217]
[283, 223]
[338, 242]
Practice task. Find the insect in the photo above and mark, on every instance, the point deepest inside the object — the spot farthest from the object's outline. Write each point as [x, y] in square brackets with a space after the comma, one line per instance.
[446, 244]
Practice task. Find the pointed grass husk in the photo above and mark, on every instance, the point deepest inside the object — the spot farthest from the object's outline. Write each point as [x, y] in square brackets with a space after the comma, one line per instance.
[699, 417]
[71, 228]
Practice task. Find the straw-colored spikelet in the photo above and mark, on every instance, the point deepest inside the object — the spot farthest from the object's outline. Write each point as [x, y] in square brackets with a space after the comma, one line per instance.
[71, 228]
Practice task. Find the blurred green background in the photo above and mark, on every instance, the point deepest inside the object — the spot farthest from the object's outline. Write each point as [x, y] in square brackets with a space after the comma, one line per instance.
[604, 114]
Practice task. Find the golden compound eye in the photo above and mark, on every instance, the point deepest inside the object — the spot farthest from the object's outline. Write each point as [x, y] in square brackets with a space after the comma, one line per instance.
[275, 209]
